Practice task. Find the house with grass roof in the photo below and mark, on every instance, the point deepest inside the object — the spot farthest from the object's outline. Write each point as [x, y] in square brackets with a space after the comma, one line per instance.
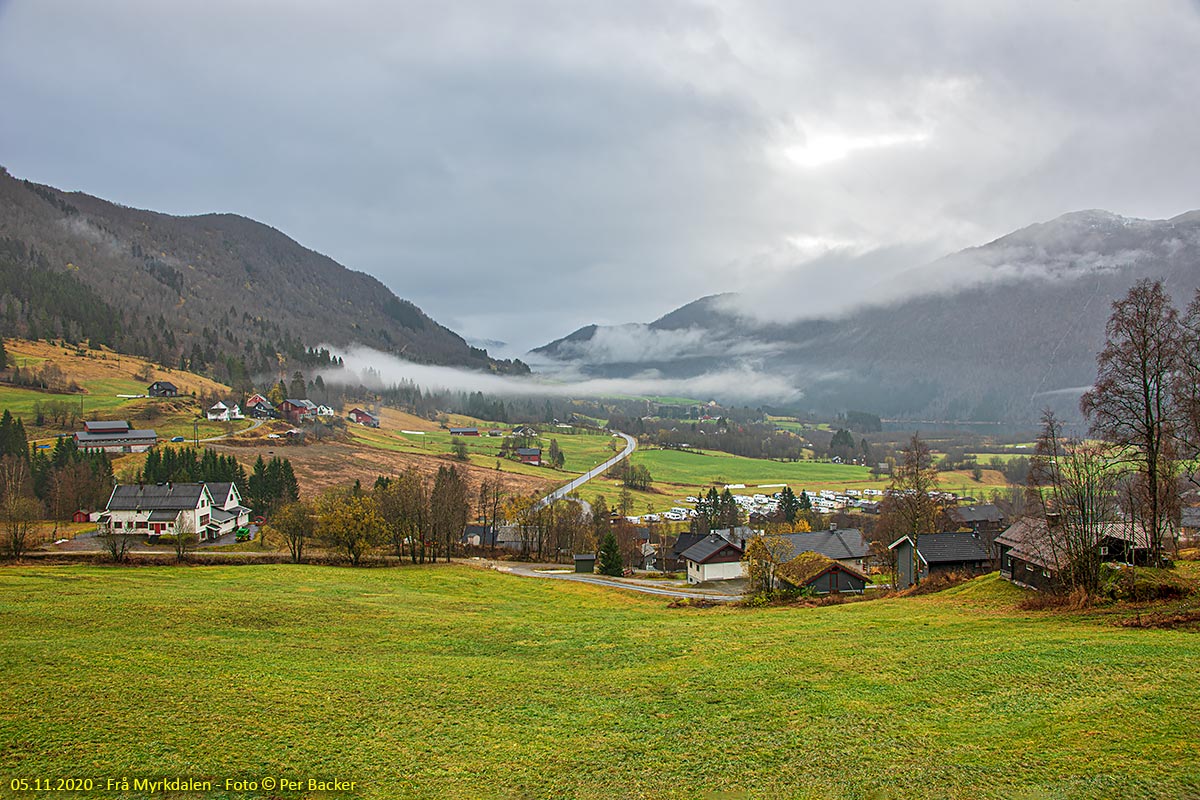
[822, 575]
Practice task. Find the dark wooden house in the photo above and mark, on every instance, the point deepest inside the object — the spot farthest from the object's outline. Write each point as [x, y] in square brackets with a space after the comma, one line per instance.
[938, 553]
[1030, 555]
[162, 389]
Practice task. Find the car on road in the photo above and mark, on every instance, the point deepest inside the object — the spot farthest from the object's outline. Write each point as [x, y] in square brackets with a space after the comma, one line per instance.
[177, 439]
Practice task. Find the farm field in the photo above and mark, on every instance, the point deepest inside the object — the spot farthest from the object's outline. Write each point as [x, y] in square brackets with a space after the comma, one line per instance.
[456, 682]
[677, 474]
[581, 450]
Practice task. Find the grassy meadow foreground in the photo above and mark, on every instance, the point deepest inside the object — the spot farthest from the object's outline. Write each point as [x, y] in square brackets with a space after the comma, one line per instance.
[456, 682]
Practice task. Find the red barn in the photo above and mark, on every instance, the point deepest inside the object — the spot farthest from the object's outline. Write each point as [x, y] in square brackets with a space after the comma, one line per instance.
[530, 455]
[363, 417]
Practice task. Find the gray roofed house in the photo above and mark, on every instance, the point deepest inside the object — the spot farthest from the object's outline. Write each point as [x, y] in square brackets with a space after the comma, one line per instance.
[1189, 525]
[151, 497]
[713, 558]
[986, 518]
[844, 545]
[1029, 552]
[480, 535]
[156, 509]
[114, 436]
[939, 552]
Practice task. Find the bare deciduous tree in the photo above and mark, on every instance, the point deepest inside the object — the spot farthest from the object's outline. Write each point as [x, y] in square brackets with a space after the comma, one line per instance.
[117, 542]
[909, 509]
[185, 537]
[1131, 404]
[1073, 486]
[19, 515]
[448, 510]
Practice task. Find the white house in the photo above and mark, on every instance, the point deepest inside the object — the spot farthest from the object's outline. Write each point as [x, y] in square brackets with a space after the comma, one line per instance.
[160, 509]
[224, 412]
[209, 510]
[228, 513]
[713, 558]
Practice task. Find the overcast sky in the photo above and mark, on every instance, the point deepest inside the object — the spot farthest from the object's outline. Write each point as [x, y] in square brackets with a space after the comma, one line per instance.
[519, 169]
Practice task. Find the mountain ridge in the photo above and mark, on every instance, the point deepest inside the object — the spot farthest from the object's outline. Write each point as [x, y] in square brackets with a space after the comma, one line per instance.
[206, 288]
[995, 333]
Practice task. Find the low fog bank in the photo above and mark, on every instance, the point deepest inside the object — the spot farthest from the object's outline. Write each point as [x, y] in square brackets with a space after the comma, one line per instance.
[742, 383]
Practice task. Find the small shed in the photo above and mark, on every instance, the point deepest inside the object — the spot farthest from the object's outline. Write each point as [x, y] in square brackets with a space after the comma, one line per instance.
[585, 563]
[81, 516]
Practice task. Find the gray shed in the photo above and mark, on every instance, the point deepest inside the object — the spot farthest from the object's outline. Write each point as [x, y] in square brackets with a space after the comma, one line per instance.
[585, 563]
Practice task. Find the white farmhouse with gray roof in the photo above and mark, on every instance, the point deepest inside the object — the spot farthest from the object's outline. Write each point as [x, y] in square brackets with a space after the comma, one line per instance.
[160, 509]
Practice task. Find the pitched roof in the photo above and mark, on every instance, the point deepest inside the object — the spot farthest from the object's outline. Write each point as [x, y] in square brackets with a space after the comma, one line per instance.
[106, 426]
[164, 385]
[708, 547]
[945, 548]
[808, 566]
[840, 544]
[1029, 541]
[486, 534]
[683, 541]
[86, 437]
[148, 497]
[986, 512]
[163, 515]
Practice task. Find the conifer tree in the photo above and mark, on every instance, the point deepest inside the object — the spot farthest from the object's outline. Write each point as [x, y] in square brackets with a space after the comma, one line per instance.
[610, 556]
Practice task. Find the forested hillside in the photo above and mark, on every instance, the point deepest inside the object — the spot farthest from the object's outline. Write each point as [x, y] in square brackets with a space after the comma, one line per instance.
[216, 293]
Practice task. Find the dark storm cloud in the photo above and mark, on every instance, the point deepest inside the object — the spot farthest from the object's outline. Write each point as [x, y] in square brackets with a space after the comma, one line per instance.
[519, 169]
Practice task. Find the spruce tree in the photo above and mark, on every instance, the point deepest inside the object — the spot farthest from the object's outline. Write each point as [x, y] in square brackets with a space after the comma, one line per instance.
[610, 556]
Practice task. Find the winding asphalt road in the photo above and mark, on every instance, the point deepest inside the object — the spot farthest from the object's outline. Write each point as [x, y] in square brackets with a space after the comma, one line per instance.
[563, 491]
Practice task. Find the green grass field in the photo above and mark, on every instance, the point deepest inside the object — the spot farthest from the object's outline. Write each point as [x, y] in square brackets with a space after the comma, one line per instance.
[692, 469]
[582, 451]
[453, 682]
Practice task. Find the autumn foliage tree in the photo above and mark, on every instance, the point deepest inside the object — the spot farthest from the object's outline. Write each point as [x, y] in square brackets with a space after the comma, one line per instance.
[349, 521]
[296, 524]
